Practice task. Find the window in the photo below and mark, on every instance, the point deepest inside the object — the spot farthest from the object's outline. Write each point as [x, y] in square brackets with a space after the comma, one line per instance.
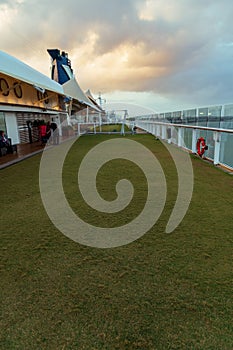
[2, 122]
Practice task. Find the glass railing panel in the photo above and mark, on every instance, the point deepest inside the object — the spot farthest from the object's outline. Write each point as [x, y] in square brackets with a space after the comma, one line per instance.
[188, 138]
[226, 149]
[210, 143]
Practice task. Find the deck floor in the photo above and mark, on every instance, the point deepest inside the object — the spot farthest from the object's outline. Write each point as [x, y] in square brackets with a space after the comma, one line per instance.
[24, 151]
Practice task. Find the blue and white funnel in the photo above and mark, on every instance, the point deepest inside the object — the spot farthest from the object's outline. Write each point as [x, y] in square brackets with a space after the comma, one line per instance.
[61, 66]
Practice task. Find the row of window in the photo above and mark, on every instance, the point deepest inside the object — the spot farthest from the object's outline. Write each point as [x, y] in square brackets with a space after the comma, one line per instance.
[5, 90]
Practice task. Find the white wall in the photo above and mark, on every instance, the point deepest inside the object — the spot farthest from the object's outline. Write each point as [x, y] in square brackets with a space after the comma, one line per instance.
[11, 127]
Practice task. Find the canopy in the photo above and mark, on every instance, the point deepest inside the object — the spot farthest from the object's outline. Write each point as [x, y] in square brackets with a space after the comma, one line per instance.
[71, 88]
[13, 67]
[90, 96]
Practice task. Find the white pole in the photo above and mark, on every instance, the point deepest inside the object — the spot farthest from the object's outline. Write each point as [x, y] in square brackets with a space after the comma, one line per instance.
[194, 141]
[87, 115]
[100, 122]
[217, 139]
[164, 129]
[180, 137]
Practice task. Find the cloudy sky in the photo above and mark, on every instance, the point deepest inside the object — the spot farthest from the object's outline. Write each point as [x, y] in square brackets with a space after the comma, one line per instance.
[162, 54]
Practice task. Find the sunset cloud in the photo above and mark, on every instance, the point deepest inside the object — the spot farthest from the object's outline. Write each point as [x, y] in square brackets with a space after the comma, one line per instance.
[179, 51]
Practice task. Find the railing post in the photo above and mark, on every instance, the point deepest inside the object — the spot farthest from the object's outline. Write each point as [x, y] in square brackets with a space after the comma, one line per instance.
[164, 129]
[180, 137]
[217, 141]
[194, 141]
[169, 134]
[100, 122]
[153, 129]
[150, 128]
[158, 131]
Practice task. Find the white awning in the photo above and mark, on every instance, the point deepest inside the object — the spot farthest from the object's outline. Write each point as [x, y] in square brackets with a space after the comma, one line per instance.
[90, 96]
[72, 89]
[13, 67]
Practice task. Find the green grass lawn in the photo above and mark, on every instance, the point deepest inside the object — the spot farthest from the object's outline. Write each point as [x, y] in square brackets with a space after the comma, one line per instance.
[112, 128]
[163, 291]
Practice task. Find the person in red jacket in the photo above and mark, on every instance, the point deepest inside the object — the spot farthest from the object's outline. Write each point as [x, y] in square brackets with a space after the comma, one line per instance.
[43, 134]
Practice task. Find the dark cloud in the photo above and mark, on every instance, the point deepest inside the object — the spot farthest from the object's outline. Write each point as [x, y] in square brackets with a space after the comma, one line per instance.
[179, 49]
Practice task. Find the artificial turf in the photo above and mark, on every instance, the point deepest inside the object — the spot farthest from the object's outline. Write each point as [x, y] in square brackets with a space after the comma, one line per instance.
[111, 128]
[163, 291]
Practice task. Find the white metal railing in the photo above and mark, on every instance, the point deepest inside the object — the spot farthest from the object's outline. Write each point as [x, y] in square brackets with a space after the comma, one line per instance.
[84, 127]
[219, 140]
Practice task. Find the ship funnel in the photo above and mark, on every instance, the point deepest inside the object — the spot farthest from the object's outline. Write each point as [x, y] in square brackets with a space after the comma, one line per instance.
[61, 70]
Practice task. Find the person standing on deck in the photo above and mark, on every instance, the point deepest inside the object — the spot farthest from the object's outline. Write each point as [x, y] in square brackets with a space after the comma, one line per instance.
[55, 133]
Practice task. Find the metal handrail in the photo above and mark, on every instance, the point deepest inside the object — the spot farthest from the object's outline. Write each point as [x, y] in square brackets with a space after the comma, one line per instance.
[187, 126]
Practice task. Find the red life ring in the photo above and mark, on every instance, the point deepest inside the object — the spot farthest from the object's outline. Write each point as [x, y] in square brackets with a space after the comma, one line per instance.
[201, 146]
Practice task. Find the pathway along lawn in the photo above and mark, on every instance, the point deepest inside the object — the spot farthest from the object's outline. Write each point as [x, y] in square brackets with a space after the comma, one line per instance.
[163, 291]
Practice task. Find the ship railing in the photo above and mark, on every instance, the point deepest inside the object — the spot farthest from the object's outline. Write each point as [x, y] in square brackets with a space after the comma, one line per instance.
[218, 140]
